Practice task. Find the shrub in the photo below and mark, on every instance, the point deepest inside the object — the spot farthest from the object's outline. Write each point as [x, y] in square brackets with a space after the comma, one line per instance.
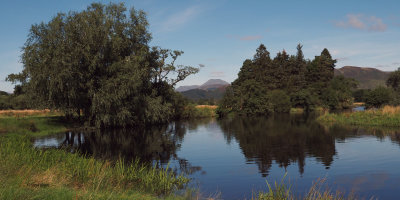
[378, 97]
[280, 101]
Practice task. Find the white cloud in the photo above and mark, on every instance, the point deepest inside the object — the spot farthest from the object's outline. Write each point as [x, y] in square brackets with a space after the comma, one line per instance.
[179, 19]
[217, 74]
[362, 22]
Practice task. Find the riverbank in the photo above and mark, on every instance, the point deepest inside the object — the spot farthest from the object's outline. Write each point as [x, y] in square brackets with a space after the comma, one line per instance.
[29, 173]
[387, 116]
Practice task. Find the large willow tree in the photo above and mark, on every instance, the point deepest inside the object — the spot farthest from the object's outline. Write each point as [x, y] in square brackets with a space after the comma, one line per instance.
[97, 64]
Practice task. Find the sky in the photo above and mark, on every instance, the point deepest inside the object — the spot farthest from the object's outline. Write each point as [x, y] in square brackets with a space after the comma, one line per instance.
[220, 34]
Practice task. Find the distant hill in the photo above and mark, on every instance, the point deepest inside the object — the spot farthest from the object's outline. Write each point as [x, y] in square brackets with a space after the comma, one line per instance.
[212, 89]
[368, 78]
[187, 87]
[209, 85]
[198, 94]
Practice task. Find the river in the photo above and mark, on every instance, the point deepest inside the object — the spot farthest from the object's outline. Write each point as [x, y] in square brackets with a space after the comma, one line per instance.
[235, 157]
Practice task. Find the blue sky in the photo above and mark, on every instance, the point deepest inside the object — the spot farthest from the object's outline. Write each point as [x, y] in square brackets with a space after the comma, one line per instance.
[221, 34]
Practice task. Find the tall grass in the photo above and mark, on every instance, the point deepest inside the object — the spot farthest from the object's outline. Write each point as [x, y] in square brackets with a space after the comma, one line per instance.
[199, 111]
[60, 169]
[387, 116]
[29, 173]
[281, 191]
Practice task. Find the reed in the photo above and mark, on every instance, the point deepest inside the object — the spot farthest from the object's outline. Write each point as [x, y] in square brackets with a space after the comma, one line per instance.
[52, 168]
[318, 191]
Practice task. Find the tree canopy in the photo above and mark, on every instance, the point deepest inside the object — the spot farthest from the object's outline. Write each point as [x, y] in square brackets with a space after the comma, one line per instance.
[98, 64]
[266, 85]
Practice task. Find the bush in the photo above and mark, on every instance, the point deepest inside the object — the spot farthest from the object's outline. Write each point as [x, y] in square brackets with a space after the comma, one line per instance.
[304, 99]
[280, 101]
[360, 95]
[338, 95]
[378, 97]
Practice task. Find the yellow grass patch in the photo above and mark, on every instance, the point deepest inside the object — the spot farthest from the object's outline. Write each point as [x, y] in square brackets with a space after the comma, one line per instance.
[358, 103]
[207, 106]
[23, 113]
[391, 110]
[48, 178]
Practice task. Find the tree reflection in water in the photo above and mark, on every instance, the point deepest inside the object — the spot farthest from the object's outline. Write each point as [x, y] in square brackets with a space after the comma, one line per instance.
[156, 144]
[281, 139]
[285, 139]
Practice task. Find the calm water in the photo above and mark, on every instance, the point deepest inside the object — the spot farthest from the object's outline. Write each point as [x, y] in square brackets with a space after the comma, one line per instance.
[236, 156]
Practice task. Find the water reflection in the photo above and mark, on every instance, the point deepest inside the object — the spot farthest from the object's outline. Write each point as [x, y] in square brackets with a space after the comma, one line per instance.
[157, 144]
[211, 151]
[284, 139]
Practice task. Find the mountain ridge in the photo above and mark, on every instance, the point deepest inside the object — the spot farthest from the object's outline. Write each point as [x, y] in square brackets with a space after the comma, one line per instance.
[368, 77]
[211, 84]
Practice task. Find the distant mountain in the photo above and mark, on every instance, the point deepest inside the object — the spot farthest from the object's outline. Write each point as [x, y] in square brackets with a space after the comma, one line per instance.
[368, 78]
[211, 84]
[212, 89]
[198, 94]
[186, 88]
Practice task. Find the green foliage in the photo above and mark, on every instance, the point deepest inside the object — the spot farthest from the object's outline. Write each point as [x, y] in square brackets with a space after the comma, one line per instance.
[17, 101]
[394, 80]
[5, 101]
[378, 97]
[360, 95]
[280, 101]
[304, 99]
[98, 62]
[266, 85]
[338, 94]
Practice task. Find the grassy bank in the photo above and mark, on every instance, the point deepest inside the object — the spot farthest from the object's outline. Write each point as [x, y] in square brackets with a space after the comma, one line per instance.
[29, 173]
[387, 116]
[199, 111]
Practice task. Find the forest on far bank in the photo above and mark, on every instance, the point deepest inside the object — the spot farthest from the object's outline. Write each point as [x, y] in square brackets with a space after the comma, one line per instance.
[268, 85]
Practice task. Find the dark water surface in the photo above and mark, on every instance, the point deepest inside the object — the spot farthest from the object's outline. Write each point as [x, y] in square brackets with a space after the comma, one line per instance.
[236, 156]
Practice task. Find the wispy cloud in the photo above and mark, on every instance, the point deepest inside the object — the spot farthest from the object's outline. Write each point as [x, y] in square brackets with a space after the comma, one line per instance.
[181, 18]
[217, 74]
[342, 58]
[251, 37]
[362, 22]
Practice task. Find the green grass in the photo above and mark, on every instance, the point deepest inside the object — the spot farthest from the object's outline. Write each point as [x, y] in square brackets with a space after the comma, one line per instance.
[318, 191]
[32, 125]
[29, 173]
[367, 118]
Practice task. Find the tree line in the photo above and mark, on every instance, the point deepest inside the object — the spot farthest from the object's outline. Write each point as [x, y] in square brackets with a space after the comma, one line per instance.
[380, 96]
[97, 66]
[266, 85]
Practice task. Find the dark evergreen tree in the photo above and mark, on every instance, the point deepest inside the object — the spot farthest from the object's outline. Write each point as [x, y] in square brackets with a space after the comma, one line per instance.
[266, 85]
